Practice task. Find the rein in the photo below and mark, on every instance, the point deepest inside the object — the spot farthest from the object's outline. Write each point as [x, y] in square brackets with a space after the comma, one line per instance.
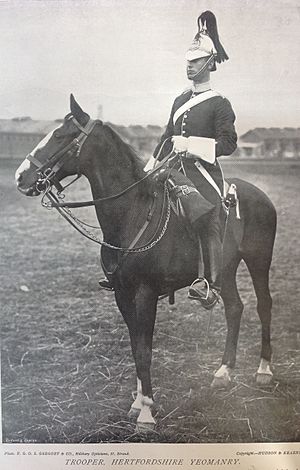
[80, 226]
[93, 202]
[47, 178]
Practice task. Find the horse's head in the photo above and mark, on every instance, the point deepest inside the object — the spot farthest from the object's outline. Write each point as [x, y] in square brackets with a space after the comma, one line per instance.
[57, 155]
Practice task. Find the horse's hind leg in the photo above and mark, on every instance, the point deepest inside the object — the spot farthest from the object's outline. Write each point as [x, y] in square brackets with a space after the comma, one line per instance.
[233, 312]
[259, 269]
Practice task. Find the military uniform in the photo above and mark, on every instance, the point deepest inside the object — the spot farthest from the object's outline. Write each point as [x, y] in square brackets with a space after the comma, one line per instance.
[214, 119]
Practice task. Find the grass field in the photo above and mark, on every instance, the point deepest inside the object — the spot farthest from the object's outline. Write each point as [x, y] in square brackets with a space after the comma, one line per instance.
[67, 370]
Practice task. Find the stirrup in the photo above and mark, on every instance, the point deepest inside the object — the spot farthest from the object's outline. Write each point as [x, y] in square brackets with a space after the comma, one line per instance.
[207, 296]
[105, 284]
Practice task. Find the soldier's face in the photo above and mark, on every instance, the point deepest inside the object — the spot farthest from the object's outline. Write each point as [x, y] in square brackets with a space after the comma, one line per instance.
[193, 67]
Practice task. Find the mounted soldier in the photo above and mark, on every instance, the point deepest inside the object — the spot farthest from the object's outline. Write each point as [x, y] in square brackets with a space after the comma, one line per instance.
[200, 129]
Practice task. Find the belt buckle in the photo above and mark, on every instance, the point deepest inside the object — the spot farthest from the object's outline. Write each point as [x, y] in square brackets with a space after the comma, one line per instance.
[185, 190]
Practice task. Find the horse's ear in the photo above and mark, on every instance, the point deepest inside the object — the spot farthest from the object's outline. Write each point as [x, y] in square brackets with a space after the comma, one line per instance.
[77, 112]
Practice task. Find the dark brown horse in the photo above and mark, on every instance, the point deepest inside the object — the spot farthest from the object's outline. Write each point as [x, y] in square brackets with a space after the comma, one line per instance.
[168, 262]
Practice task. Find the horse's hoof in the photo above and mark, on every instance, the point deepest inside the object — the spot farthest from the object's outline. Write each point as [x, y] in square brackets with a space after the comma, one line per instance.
[263, 379]
[134, 412]
[144, 428]
[221, 382]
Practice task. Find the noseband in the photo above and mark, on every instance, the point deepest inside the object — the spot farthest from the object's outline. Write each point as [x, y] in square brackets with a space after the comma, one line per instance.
[47, 171]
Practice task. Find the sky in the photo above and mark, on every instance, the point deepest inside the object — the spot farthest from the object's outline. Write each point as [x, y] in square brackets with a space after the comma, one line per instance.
[128, 56]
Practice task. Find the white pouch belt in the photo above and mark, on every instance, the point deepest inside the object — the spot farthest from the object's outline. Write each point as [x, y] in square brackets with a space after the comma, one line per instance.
[206, 95]
[210, 179]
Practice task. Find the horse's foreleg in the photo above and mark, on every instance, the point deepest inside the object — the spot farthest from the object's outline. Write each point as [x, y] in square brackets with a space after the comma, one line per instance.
[136, 406]
[233, 312]
[259, 270]
[146, 302]
[126, 305]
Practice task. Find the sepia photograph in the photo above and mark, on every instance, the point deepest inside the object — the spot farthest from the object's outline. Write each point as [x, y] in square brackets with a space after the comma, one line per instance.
[149, 183]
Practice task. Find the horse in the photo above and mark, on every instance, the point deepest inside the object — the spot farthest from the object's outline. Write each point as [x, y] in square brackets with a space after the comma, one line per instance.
[147, 248]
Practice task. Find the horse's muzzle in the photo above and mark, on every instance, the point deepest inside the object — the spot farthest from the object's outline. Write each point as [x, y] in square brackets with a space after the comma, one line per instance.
[28, 191]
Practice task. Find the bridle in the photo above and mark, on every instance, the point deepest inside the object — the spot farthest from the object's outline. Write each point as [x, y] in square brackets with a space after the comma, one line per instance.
[48, 170]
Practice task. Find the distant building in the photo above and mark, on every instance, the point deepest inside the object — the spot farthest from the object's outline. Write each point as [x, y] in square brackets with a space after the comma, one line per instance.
[273, 142]
[142, 139]
[19, 136]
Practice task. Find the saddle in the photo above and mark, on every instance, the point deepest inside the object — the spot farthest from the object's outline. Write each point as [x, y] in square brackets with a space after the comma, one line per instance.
[188, 202]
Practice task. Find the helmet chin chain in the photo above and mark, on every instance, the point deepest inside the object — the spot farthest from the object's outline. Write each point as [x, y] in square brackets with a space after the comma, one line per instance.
[209, 60]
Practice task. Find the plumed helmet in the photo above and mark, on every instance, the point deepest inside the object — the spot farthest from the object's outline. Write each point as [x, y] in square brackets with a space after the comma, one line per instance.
[206, 42]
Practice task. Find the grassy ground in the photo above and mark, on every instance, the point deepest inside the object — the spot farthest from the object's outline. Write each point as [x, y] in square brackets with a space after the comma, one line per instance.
[67, 370]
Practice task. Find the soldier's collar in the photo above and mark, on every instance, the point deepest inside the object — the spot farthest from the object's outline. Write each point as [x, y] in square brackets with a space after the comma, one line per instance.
[201, 87]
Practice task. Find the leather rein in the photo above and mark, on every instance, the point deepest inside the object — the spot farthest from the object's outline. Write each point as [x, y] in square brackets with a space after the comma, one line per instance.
[47, 177]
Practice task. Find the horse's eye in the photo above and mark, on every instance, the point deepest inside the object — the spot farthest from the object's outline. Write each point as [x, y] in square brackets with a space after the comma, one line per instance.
[56, 135]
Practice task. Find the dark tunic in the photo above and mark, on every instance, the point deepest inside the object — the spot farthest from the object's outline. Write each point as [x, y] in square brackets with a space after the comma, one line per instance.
[213, 118]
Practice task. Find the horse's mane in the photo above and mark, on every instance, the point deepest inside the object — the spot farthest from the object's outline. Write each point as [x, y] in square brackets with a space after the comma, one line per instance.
[128, 152]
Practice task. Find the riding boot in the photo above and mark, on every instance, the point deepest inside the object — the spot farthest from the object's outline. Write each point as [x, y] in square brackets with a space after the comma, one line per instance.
[206, 288]
[106, 282]
[212, 245]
